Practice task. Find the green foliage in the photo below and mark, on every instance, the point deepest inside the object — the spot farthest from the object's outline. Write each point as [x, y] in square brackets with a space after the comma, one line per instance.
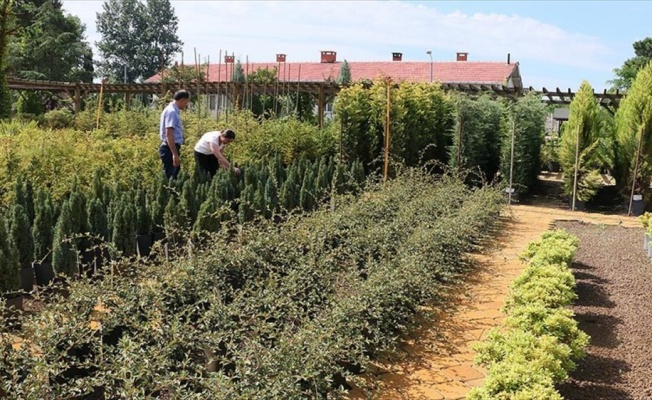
[526, 117]
[540, 340]
[344, 78]
[626, 74]
[584, 135]
[421, 118]
[50, 45]
[479, 122]
[6, 29]
[139, 36]
[44, 220]
[9, 263]
[58, 119]
[64, 253]
[282, 307]
[634, 125]
[18, 231]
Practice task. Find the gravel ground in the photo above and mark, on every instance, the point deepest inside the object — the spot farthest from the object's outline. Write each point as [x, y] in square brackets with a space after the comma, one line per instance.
[614, 306]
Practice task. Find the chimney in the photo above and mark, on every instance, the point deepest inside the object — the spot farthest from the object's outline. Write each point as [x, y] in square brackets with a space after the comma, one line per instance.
[280, 58]
[508, 59]
[397, 56]
[328, 56]
[229, 59]
[462, 56]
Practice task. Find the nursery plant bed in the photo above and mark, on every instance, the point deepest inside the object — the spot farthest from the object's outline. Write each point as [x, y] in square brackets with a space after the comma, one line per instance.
[614, 276]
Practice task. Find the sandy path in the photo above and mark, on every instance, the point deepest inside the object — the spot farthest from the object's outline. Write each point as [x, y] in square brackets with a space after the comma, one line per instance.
[436, 361]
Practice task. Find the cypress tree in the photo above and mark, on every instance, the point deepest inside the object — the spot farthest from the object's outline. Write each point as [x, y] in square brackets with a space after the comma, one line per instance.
[20, 234]
[42, 233]
[9, 264]
[143, 219]
[306, 194]
[29, 201]
[98, 223]
[245, 209]
[64, 255]
[271, 198]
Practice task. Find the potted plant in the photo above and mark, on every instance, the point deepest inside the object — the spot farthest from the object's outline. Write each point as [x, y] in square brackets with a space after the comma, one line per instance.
[42, 236]
[21, 237]
[143, 225]
[10, 272]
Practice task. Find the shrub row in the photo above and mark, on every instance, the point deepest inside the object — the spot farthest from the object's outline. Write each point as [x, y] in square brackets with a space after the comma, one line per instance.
[540, 340]
[63, 231]
[274, 311]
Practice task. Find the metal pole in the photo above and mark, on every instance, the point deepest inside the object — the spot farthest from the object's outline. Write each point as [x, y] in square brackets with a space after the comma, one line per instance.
[638, 155]
[577, 156]
[429, 52]
[387, 121]
[511, 162]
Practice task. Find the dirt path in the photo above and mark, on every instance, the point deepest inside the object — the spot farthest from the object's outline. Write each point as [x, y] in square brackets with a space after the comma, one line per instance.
[436, 361]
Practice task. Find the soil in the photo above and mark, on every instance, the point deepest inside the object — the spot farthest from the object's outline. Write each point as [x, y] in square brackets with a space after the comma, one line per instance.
[614, 282]
[435, 361]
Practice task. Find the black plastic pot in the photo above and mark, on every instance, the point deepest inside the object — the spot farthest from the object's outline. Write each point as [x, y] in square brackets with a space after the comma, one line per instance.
[27, 278]
[44, 273]
[144, 244]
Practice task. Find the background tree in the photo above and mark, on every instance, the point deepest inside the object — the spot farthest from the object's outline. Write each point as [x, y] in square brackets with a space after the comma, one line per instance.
[527, 117]
[642, 55]
[344, 77]
[139, 37]
[263, 105]
[583, 144]
[634, 134]
[6, 30]
[50, 45]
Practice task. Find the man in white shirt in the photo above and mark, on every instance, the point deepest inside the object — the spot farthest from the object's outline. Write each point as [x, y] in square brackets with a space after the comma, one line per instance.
[208, 151]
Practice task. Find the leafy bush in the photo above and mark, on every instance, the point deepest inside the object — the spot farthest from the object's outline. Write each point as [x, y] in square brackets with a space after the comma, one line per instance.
[267, 311]
[539, 341]
[58, 119]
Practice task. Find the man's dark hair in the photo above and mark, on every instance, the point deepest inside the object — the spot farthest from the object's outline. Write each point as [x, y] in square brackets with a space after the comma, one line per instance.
[229, 134]
[182, 94]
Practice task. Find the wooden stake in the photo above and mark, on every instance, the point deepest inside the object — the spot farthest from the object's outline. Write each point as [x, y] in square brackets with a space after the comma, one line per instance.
[99, 105]
[387, 121]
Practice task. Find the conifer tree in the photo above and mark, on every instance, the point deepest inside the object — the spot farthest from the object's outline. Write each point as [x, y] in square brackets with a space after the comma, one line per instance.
[9, 265]
[64, 254]
[271, 198]
[20, 234]
[98, 224]
[42, 232]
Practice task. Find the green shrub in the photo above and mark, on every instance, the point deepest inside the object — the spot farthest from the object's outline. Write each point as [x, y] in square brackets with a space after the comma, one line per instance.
[58, 119]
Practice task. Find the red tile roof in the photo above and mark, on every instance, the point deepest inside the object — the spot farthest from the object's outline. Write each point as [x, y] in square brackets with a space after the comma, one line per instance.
[414, 71]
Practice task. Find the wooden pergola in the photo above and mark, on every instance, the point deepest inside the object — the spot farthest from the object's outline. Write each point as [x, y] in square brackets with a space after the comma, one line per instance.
[323, 91]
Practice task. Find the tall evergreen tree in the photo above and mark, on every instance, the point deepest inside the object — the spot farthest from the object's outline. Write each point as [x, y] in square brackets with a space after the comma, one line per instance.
[582, 143]
[138, 37]
[6, 30]
[634, 135]
[344, 78]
